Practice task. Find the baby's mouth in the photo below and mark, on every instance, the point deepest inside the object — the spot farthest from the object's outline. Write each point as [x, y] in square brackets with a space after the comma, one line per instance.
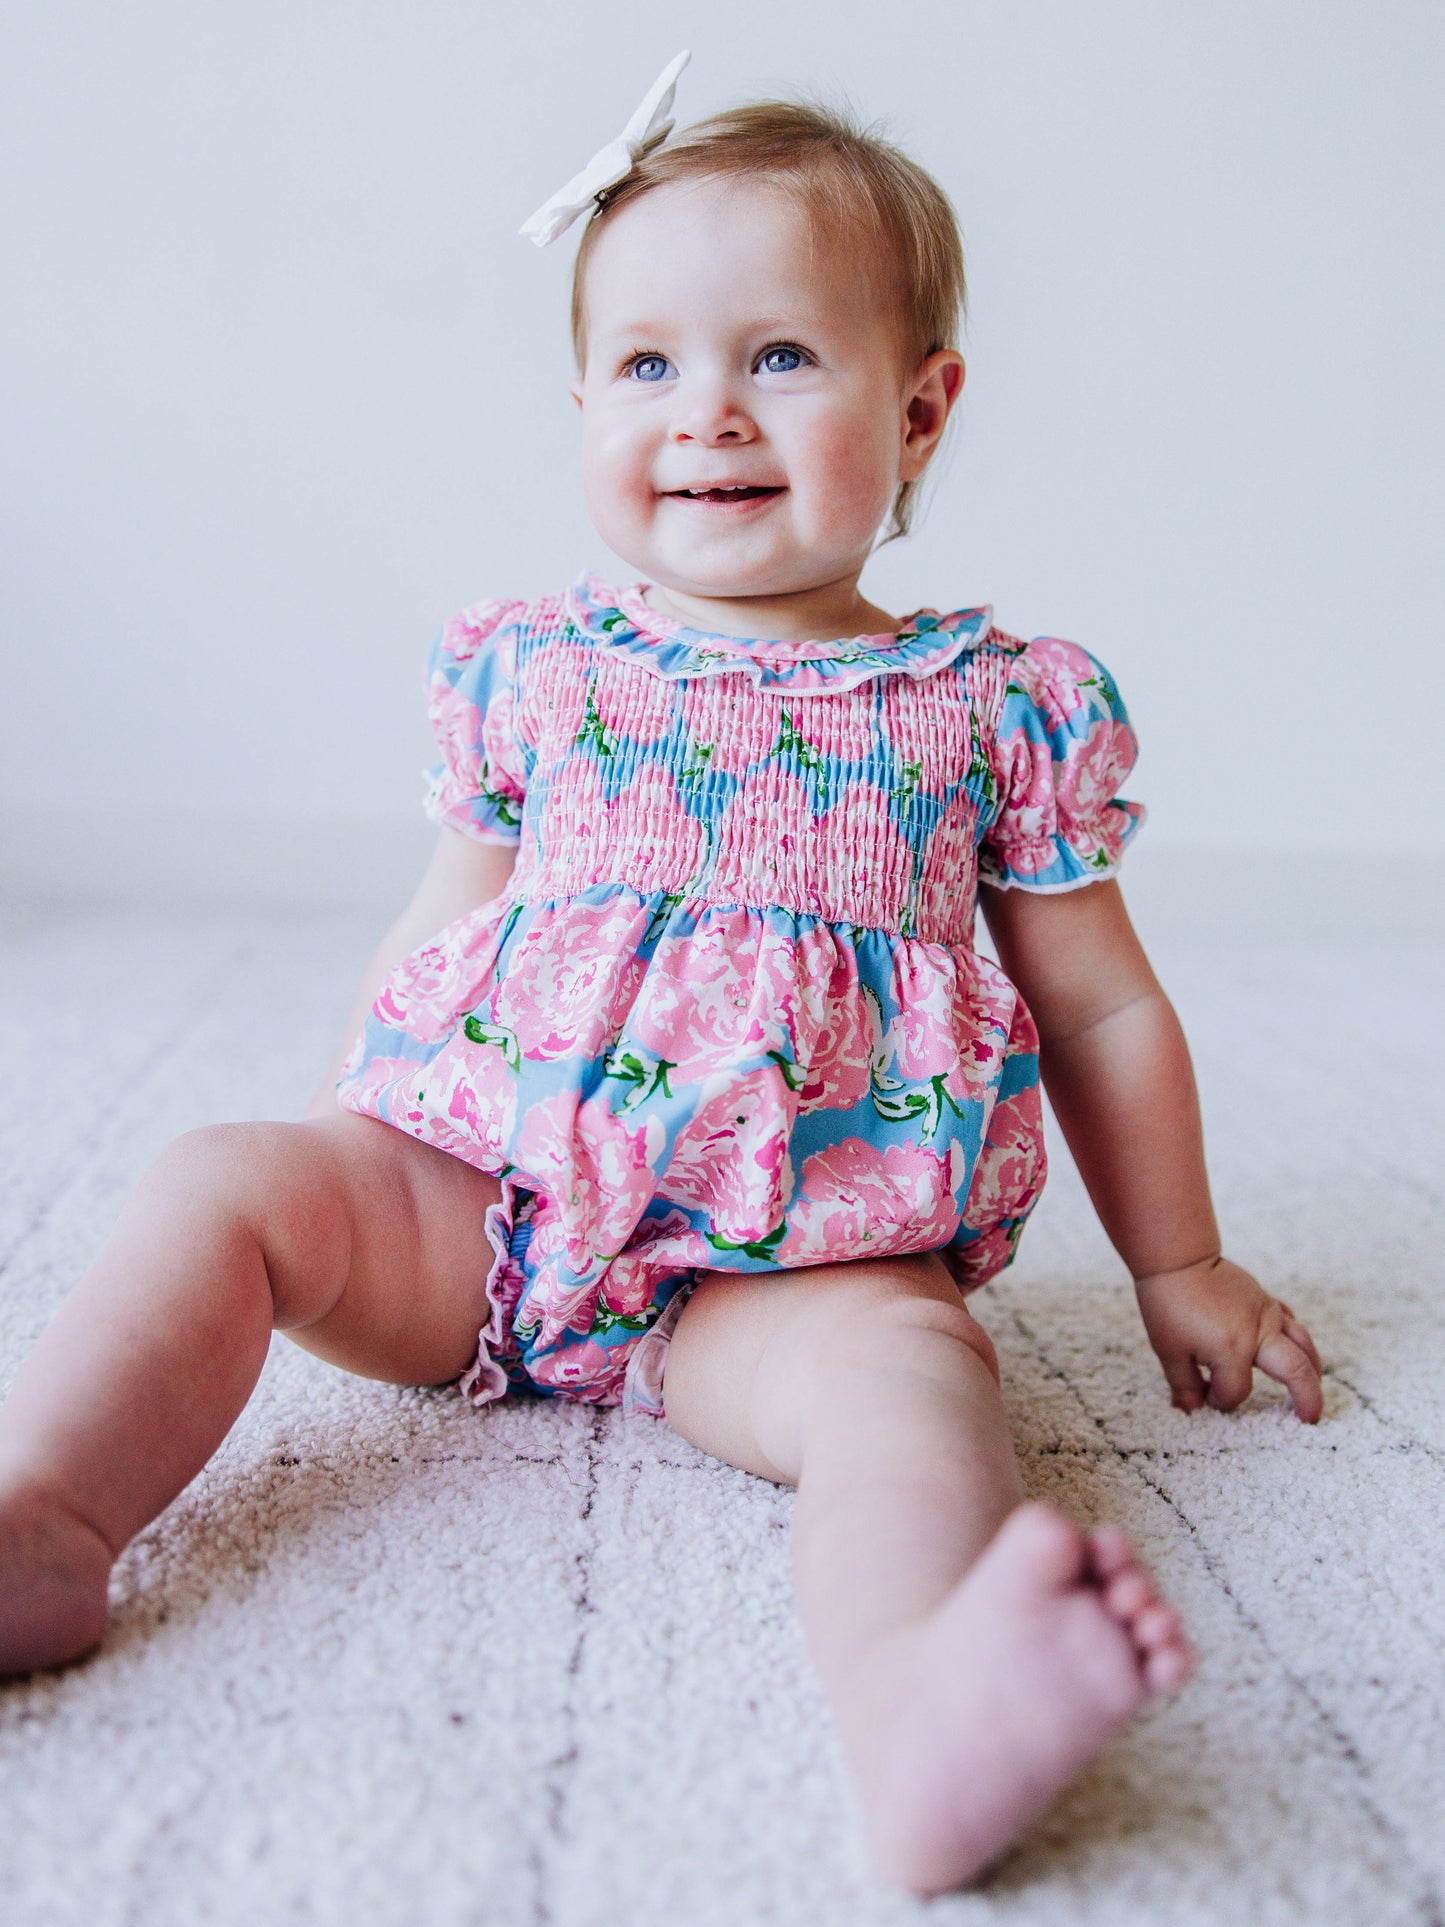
[723, 497]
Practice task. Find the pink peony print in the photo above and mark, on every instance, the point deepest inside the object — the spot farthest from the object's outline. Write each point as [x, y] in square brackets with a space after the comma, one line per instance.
[363, 1088]
[572, 978]
[1089, 777]
[953, 1021]
[554, 698]
[836, 1033]
[768, 844]
[654, 840]
[921, 1040]
[457, 725]
[472, 1094]
[429, 992]
[499, 748]
[723, 994]
[584, 1370]
[666, 1238]
[857, 1201]
[645, 836]
[869, 865]
[633, 704]
[574, 825]
[1010, 1171]
[947, 876]
[731, 724]
[1025, 828]
[557, 1301]
[464, 634]
[463, 1101]
[982, 1258]
[1053, 672]
[927, 725]
[841, 724]
[355, 1057]
[598, 1168]
[731, 1158]
[628, 1284]
[849, 864]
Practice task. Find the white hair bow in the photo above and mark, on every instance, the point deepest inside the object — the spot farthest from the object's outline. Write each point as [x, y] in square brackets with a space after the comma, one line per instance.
[648, 128]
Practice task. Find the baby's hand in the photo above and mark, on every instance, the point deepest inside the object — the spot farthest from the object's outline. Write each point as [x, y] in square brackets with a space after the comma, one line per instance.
[1214, 1318]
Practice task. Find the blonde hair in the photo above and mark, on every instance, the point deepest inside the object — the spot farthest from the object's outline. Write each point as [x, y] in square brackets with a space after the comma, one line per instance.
[851, 183]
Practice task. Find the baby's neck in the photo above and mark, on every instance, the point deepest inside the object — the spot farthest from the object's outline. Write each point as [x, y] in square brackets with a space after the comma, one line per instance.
[831, 610]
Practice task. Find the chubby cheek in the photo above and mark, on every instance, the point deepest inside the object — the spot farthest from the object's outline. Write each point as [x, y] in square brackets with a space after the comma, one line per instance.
[616, 477]
[852, 473]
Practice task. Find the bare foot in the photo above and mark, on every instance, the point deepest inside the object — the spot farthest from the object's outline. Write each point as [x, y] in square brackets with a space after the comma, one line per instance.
[979, 1718]
[54, 1573]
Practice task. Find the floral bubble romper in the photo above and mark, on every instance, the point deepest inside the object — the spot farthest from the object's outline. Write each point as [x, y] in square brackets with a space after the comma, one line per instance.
[727, 1013]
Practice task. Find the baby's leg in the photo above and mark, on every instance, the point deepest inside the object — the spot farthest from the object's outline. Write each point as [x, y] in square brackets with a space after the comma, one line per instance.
[977, 1652]
[365, 1245]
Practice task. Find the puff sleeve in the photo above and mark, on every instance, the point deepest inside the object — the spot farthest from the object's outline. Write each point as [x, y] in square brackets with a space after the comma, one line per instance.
[1061, 748]
[479, 784]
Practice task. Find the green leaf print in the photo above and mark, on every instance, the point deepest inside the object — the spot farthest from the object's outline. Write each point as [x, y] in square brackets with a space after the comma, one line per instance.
[790, 743]
[505, 807]
[643, 1074]
[795, 1076]
[895, 1102]
[763, 1248]
[906, 788]
[657, 922]
[894, 1109]
[593, 729]
[699, 763]
[504, 1039]
[605, 1319]
[980, 779]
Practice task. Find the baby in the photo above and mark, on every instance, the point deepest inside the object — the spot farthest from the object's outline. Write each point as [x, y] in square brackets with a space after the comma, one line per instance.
[681, 1080]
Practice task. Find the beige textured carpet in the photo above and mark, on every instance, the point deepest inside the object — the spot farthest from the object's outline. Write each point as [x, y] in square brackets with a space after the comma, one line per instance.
[390, 1661]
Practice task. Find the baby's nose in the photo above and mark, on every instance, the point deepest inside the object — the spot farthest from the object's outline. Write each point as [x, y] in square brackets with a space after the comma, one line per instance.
[711, 413]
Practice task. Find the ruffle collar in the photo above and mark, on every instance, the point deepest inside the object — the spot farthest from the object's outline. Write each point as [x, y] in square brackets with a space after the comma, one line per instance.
[620, 619]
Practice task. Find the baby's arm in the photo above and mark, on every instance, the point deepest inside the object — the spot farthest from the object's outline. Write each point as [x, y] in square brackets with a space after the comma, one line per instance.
[1117, 1071]
[463, 873]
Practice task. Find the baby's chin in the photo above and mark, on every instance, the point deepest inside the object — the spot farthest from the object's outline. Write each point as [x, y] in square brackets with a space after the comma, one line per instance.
[724, 579]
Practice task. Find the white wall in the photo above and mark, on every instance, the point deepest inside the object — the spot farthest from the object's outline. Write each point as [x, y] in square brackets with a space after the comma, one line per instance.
[282, 387]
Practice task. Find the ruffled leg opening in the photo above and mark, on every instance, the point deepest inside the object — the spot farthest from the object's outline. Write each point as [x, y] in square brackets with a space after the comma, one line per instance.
[486, 1379]
[642, 1382]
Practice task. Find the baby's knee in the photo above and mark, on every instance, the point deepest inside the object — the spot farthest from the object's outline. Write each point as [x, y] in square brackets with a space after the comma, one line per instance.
[235, 1165]
[929, 1334]
[903, 1318]
[266, 1184]
[934, 1323]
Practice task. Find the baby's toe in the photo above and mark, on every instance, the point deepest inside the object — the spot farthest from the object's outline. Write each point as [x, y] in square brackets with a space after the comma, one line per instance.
[1157, 1626]
[1166, 1668]
[1129, 1593]
[1110, 1551]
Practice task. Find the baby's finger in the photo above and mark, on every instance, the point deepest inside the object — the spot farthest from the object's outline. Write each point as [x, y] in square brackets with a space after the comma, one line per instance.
[1300, 1334]
[1283, 1359]
[1231, 1380]
[1186, 1381]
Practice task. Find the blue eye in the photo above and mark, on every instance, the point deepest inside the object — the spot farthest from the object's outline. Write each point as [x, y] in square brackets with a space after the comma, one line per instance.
[650, 368]
[781, 361]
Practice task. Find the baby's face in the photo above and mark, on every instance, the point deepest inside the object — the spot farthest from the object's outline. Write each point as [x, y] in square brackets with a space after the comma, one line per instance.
[744, 402]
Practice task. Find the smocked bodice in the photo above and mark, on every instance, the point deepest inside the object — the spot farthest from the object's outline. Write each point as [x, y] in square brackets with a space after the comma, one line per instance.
[854, 781]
